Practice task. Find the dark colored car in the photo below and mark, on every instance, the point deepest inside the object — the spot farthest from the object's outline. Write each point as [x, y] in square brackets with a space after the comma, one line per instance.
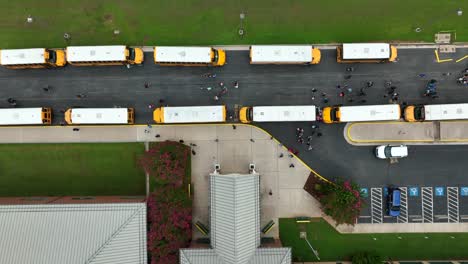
[393, 201]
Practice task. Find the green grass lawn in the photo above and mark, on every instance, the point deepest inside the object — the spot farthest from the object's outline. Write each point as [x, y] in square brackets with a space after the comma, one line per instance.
[333, 246]
[195, 22]
[71, 169]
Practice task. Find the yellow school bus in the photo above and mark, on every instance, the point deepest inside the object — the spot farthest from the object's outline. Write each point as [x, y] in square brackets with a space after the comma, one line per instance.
[88, 116]
[284, 54]
[26, 116]
[362, 113]
[189, 56]
[190, 114]
[366, 53]
[32, 58]
[104, 55]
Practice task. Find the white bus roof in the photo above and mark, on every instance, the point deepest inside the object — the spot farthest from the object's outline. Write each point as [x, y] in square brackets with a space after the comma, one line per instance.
[369, 113]
[99, 116]
[96, 53]
[291, 53]
[194, 114]
[183, 54]
[446, 111]
[21, 116]
[22, 56]
[284, 113]
[354, 51]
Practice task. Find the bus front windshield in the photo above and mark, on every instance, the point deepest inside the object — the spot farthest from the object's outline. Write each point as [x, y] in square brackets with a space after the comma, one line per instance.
[216, 56]
[333, 114]
[52, 56]
[131, 55]
[419, 113]
[250, 114]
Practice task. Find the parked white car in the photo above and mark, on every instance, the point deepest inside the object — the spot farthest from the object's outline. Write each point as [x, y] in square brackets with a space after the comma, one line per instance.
[387, 151]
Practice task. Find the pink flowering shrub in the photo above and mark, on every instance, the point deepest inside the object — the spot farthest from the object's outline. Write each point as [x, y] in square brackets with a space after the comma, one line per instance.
[341, 200]
[169, 206]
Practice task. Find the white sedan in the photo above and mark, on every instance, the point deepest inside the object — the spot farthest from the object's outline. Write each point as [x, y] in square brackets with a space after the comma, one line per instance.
[387, 151]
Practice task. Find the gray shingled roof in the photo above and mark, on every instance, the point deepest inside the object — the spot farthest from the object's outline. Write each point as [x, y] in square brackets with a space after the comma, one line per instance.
[73, 233]
[235, 225]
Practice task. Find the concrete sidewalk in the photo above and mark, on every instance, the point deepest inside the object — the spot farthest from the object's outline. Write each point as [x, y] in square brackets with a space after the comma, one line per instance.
[420, 133]
[399, 228]
[233, 149]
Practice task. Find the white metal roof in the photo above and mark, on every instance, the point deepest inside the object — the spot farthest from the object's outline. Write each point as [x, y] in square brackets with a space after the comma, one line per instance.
[285, 54]
[194, 114]
[99, 115]
[22, 56]
[370, 113]
[354, 51]
[235, 225]
[234, 216]
[446, 111]
[21, 116]
[183, 54]
[284, 113]
[96, 53]
[73, 233]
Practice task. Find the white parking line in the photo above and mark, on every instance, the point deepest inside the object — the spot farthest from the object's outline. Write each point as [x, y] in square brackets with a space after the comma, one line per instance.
[452, 205]
[427, 205]
[403, 217]
[376, 206]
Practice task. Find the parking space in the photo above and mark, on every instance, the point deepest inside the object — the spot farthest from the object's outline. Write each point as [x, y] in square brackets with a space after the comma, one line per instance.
[453, 209]
[376, 205]
[438, 204]
[403, 217]
[427, 205]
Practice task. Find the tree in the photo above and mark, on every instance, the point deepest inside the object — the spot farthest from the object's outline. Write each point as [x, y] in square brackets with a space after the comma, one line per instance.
[340, 200]
[169, 206]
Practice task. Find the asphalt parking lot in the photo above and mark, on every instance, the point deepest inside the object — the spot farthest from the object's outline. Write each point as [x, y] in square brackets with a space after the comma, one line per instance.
[331, 156]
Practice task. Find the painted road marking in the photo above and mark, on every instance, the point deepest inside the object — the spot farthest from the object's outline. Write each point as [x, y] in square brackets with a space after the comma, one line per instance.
[464, 191]
[403, 217]
[376, 206]
[452, 205]
[414, 191]
[427, 205]
[439, 191]
[364, 192]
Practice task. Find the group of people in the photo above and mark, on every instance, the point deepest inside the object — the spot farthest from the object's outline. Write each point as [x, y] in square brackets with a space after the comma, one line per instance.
[463, 80]
[223, 88]
[308, 139]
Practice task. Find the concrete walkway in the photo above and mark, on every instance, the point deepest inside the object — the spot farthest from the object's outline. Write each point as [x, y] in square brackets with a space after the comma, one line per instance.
[233, 149]
[400, 227]
[420, 133]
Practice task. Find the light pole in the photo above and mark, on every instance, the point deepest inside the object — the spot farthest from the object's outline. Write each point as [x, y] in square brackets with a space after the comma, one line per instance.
[304, 236]
[241, 28]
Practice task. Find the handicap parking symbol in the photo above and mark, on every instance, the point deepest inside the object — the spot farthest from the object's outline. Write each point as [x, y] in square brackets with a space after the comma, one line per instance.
[364, 192]
[464, 191]
[385, 191]
[439, 191]
[413, 191]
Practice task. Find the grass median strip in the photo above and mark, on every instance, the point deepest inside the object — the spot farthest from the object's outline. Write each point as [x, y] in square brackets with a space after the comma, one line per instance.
[192, 22]
[333, 246]
[71, 169]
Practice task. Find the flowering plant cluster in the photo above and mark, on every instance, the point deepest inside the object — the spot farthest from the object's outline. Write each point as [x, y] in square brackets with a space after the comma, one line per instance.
[340, 200]
[169, 206]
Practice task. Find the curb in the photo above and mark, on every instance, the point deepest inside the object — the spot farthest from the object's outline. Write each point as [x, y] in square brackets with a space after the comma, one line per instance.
[422, 142]
[420, 45]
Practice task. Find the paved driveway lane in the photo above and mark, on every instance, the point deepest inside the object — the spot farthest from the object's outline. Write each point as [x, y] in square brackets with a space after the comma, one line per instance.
[267, 85]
